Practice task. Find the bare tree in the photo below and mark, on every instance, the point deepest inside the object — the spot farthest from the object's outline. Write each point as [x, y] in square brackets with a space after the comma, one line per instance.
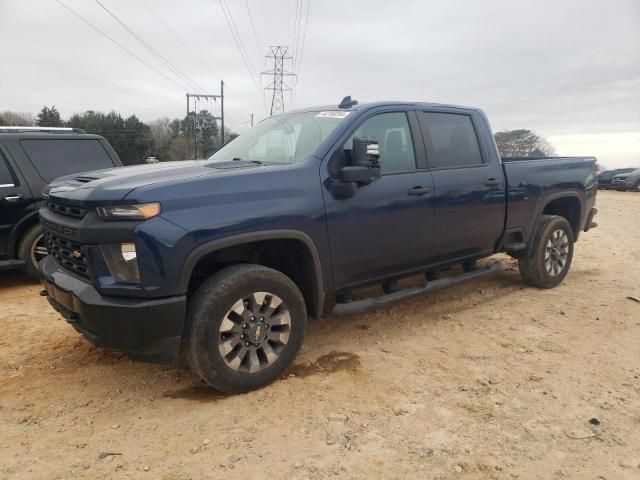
[523, 143]
[17, 119]
[161, 132]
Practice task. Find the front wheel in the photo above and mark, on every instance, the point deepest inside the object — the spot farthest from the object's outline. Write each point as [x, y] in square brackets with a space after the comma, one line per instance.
[245, 325]
[549, 256]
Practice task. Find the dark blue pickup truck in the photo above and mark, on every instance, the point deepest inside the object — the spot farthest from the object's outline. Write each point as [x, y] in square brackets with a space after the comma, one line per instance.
[224, 259]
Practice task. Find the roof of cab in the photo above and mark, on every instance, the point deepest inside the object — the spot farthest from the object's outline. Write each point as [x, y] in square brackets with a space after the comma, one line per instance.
[369, 105]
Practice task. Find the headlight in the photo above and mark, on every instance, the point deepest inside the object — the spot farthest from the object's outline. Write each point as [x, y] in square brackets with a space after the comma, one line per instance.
[130, 212]
[122, 261]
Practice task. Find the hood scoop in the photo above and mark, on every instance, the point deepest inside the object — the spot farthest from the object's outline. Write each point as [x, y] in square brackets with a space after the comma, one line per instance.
[85, 179]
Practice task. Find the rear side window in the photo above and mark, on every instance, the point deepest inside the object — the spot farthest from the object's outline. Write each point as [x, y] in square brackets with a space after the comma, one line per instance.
[453, 139]
[58, 157]
[6, 178]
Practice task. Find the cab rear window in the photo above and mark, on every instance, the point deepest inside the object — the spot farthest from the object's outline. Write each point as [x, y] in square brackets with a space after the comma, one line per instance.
[55, 158]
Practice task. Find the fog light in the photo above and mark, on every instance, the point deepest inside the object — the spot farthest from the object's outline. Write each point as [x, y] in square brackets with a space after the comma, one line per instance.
[122, 261]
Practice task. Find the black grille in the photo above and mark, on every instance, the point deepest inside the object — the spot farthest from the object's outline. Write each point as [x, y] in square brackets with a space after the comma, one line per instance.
[68, 210]
[67, 253]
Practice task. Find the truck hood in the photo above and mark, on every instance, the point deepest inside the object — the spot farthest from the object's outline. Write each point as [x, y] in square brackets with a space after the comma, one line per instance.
[113, 184]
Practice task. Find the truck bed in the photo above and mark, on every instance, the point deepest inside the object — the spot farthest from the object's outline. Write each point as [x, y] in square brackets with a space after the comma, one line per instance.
[534, 181]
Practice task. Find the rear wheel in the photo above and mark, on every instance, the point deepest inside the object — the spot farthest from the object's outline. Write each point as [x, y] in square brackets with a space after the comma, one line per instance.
[245, 325]
[548, 258]
[32, 249]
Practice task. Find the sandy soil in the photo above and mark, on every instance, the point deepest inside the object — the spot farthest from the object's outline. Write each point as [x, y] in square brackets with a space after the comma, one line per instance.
[488, 380]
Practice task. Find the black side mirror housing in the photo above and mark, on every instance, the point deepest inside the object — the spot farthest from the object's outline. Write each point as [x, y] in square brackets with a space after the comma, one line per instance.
[364, 168]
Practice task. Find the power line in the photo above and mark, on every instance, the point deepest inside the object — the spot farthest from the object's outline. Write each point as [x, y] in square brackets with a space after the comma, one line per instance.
[296, 31]
[238, 41]
[178, 39]
[253, 27]
[304, 37]
[122, 47]
[148, 46]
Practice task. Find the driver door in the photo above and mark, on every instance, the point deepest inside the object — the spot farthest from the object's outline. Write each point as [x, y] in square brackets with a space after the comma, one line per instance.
[387, 226]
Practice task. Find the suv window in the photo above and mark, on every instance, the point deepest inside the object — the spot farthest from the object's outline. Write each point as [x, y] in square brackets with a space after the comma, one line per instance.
[6, 178]
[392, 132]
[453, 139]
[58, 157]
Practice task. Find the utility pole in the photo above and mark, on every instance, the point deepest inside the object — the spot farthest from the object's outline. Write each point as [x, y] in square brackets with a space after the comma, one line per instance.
[252, 120]
[222, 113]
[278, 73]
[194, 97]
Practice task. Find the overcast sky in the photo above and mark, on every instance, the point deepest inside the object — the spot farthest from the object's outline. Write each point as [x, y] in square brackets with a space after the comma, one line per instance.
[568, 69]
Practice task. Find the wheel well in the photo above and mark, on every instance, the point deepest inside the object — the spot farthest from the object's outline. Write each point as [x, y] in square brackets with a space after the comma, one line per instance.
[567, 207]
[289, 256]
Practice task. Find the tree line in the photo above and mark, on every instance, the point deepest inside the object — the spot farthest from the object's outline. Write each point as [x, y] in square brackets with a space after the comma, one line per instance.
[133, 140]
[173, 139]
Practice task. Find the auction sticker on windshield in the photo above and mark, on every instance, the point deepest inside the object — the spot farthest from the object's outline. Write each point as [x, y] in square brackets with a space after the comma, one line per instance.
[332, 114]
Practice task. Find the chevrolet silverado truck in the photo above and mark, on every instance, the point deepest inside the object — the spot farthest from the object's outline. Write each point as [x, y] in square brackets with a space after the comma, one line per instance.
[224, 259]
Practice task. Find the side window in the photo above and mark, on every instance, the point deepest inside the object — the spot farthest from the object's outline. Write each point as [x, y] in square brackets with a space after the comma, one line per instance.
[6, 178]
[58, 157]
[394, 138]
[453, 139]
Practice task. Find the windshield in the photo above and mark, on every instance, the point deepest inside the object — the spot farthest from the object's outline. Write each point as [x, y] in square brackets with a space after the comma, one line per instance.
[283, 139]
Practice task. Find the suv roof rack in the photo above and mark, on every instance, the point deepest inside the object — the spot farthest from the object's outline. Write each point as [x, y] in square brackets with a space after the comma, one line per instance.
[41, 129]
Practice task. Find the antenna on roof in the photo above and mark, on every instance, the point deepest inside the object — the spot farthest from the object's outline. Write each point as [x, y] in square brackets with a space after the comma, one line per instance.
[347, 102]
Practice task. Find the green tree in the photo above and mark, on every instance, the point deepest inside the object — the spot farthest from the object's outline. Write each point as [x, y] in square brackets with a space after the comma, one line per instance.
[3, 122]
[523, 143]
[130, 138]
[49, 117]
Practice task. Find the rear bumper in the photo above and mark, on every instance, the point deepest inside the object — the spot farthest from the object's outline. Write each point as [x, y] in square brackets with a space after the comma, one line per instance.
[149, 330]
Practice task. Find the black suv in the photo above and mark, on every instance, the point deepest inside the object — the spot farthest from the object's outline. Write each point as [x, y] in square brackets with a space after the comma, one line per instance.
[30, 157]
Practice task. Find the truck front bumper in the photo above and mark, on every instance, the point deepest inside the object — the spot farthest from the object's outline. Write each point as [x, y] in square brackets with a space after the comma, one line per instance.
[146, 329]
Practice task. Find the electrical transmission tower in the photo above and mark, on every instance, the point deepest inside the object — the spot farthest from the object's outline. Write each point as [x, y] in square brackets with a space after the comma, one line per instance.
[277, 74]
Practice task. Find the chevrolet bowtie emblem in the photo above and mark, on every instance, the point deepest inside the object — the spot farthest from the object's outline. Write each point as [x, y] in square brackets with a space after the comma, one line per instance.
[76, 254]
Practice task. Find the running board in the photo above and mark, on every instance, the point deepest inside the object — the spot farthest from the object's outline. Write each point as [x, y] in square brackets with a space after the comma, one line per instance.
[373, 303]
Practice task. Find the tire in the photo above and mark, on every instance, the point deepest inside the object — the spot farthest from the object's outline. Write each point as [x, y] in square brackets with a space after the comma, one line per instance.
[31, 250]
[244, 300]
[536, 268]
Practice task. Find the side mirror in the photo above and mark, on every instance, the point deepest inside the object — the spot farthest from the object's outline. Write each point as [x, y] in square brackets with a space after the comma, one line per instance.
[364, 168]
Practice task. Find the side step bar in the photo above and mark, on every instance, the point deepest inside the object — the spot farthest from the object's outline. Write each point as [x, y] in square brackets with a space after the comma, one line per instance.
[368, 304]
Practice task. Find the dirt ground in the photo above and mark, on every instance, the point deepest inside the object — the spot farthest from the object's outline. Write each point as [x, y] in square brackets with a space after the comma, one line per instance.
[487, 380]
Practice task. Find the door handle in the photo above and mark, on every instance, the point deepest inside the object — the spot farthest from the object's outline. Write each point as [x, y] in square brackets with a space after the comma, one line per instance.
[492, 182]
[13, 198]
[419, 190]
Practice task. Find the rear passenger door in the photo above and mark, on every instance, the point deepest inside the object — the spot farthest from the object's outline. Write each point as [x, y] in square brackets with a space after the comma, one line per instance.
[469, 184]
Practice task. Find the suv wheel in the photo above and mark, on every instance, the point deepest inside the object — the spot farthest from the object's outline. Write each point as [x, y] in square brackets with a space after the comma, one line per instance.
[548, 259]
[32, 249]
[245, 325]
